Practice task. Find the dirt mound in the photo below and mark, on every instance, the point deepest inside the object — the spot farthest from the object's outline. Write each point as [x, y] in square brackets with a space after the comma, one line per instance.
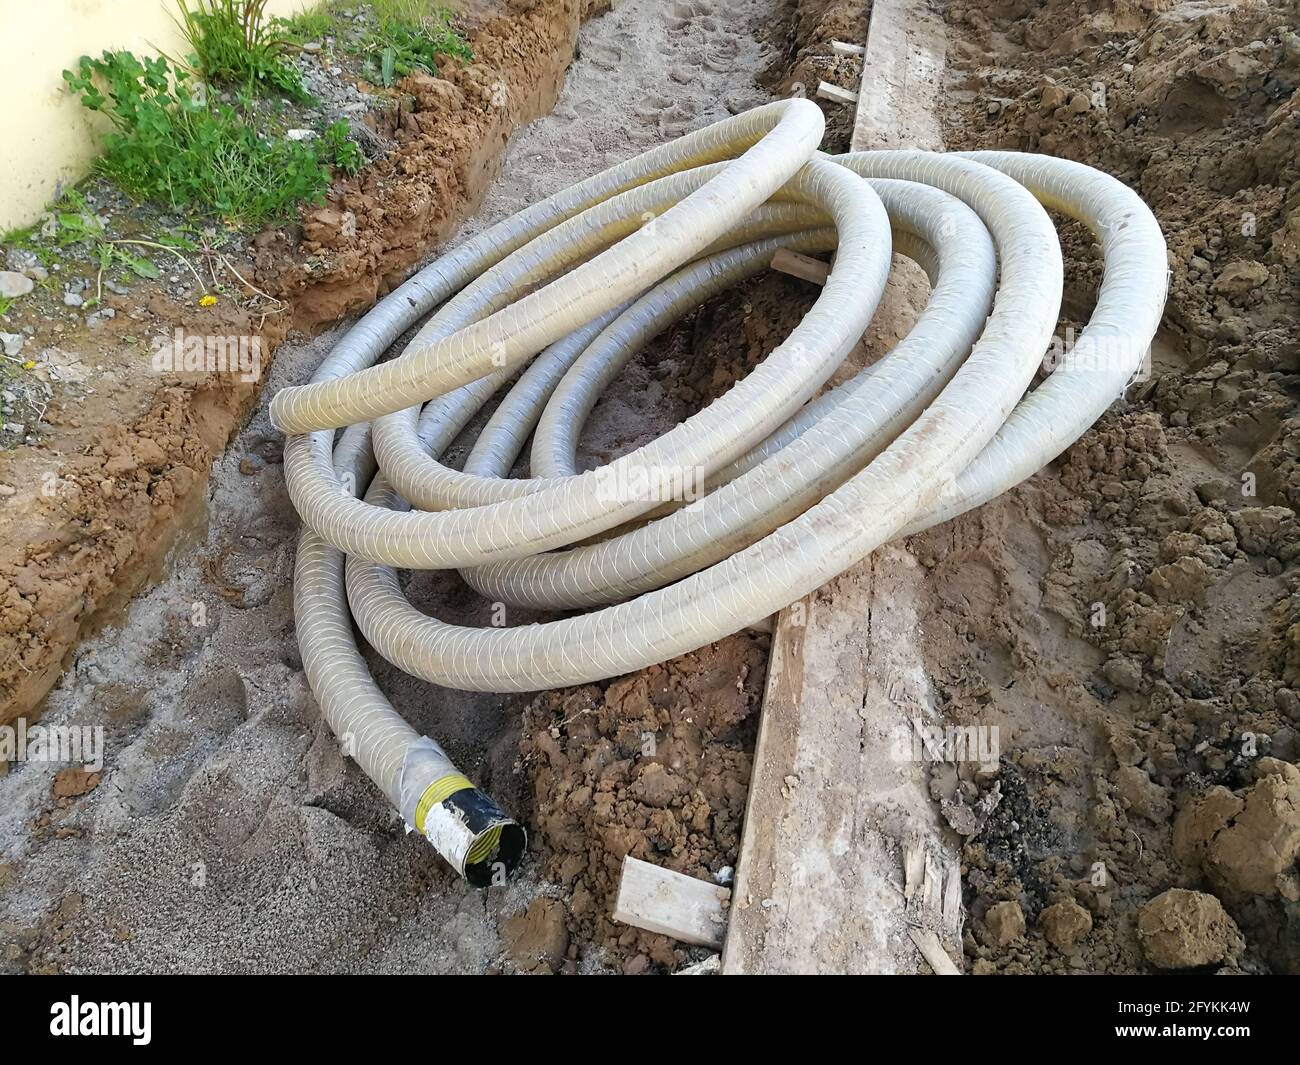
[1134, 629]
[656, 766]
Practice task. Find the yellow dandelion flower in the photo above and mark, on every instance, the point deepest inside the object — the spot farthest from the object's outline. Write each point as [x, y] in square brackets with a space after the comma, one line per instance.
[30, 364]
[207, 301]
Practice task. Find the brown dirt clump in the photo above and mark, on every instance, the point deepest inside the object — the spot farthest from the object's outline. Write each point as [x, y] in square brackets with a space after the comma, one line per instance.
[1182, 929]
[119, 480]
[1247, 842]
[655, 765]
[537, 940]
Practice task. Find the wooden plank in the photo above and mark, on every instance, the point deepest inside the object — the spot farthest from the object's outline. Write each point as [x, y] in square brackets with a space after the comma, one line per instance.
[671, 903]
[804, 267]
[827, 91]
[904, 61]
[843, 865]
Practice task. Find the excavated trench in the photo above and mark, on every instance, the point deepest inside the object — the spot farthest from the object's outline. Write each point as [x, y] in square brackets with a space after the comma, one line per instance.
[1154, 750]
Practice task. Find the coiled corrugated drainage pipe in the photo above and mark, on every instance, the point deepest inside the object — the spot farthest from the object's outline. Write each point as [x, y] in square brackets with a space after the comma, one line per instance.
[772, 489]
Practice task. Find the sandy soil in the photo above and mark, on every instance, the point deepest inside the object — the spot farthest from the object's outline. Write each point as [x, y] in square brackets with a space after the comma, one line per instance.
[227, 832]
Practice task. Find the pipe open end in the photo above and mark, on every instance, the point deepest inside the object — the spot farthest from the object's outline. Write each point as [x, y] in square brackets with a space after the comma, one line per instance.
[495, 853]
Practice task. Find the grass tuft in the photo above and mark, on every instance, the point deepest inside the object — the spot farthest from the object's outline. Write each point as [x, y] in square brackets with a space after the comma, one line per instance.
[233, 44]
[410, 35]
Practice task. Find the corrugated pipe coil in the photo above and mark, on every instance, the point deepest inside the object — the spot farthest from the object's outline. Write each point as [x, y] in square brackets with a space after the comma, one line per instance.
[743, 508]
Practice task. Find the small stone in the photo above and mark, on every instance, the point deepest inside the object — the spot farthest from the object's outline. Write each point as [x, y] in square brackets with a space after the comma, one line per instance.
[12, 343]
[300, 134]
[1288, 702]
[1079, 103]
[1064, 924]
[1052, 96]
[20, 259]
[7, 490]
[250, 465]
[73, 299]
[14, 284]
[710, 966]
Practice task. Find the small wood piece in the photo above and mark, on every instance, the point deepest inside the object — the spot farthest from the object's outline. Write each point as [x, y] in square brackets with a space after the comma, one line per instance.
[913, 866]
[672, 904]
[827, 91]
[952, 906]
[932, 951]
[844, 48]
[802, 266]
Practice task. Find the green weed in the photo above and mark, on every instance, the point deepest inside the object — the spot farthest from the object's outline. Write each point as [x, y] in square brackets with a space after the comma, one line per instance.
[410, 35]
[170, 145]
[78, 224]
[305, 26]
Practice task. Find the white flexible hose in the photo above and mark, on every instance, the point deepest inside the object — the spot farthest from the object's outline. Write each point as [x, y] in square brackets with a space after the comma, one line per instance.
[799, 486]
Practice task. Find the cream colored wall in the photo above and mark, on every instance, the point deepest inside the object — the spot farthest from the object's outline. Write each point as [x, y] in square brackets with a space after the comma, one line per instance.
[48, 138]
